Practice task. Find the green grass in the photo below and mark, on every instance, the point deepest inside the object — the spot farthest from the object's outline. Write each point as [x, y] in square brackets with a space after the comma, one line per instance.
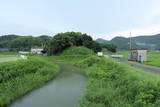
[153, 59]
[9, 58]
[19, 77]
[9, 53]
[77, 51]
[124, 53]
[112, 84]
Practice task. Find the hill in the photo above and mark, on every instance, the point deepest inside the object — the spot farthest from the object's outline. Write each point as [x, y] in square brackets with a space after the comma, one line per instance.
[16, 42]
[151, 42]
[103, 41]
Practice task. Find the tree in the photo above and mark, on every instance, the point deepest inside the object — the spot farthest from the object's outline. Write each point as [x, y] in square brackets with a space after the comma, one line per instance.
[25, 43]
[110, 47]
[95, 46]
[59, 43]
[62, 41]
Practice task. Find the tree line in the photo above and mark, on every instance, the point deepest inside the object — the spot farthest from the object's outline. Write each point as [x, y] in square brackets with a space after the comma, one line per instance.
[52, 45]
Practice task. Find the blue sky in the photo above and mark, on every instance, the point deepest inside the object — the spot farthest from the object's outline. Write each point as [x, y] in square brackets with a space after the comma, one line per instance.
[99, 18]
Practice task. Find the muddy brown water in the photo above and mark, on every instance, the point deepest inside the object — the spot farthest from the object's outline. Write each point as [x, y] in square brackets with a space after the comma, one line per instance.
[64, 91]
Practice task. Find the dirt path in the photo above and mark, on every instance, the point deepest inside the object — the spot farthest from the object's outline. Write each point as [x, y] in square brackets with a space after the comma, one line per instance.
[64, 91]
[144, 67]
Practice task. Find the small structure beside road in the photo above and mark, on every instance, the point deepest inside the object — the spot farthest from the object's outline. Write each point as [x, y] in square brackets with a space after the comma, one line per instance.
[138, 55]
[23, 57]
[100, 54]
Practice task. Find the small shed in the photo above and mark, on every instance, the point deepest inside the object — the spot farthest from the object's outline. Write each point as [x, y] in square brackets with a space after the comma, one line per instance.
[138, 55]
[100, 53]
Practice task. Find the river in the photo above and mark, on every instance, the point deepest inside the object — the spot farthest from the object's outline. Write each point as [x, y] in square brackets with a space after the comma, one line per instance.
[64, 91]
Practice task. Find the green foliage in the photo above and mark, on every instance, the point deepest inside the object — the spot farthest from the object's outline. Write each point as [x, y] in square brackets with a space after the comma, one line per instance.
[23, 43]
[95, 46]
[77, 51]
[112, 84]
[61, 41]
[20, 77]
[110, 47]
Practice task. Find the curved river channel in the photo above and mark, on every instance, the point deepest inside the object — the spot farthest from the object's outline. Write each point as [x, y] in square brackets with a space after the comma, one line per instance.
[64, 91]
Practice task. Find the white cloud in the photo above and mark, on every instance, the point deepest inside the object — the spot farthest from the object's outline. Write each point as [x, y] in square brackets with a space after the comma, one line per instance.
[134, 32]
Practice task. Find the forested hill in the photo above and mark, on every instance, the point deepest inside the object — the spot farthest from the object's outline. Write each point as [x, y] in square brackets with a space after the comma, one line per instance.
[16, 42]
[140, 42]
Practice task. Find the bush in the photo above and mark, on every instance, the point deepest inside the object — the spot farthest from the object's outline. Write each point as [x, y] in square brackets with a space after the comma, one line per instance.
[78, 51]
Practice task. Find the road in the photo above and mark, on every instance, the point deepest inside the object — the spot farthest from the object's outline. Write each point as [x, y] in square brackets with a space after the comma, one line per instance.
[144, 67]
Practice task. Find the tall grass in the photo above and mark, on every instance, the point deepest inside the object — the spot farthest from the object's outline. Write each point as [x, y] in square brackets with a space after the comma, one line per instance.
[112, 84]
[20, 77]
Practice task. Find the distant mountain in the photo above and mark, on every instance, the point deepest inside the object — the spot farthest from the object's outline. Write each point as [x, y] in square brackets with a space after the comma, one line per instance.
[102, 41]
[151, 42]
[16, 42]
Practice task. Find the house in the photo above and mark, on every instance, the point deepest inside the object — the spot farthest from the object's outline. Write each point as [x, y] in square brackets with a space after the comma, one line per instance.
[36, 50]
[4, 50]
[138, 55]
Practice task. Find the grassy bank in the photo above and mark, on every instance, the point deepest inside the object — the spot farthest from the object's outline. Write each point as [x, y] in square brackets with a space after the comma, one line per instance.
[20, 77]
[112, 84]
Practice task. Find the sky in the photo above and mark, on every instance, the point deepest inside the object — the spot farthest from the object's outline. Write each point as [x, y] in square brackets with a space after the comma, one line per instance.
[99, 18]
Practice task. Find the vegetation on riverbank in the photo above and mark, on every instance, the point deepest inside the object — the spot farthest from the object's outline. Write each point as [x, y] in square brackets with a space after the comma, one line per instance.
[112, 84]
[117, 85]
[20, 77]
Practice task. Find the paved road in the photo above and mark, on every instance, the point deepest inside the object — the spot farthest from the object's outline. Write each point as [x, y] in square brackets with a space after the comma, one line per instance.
[144, 67]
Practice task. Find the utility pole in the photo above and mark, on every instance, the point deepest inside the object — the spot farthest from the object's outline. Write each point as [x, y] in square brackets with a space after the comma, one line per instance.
[130, 41]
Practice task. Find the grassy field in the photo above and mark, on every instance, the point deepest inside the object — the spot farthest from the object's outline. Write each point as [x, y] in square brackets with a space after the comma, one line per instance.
[124, 53]
[153, 59]
[112, 84]
[9, 58]
[20, 77]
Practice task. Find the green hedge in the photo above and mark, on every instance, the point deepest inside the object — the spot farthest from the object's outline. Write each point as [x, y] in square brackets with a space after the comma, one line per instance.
[20, 77]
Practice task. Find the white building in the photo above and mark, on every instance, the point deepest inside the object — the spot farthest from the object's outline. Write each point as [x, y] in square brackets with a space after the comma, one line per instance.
[138, 55]
[100, 53]
[36, 50]
[24, 52]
